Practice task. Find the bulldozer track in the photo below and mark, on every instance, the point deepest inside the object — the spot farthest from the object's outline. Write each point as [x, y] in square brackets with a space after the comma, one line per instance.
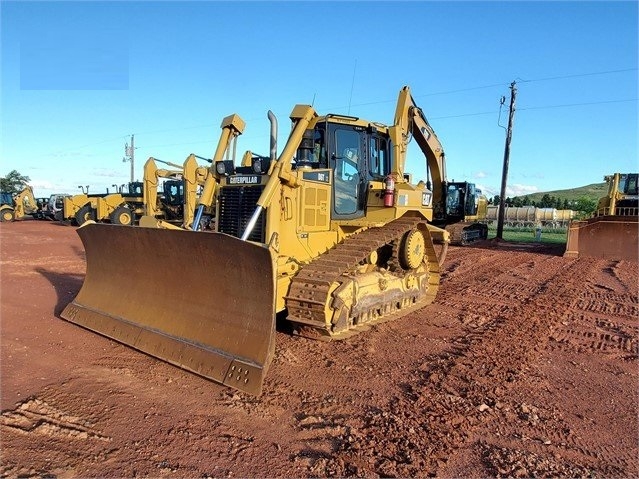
[311, 288]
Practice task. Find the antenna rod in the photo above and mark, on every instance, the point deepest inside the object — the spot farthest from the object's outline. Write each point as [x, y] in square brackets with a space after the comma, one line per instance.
[352, 85]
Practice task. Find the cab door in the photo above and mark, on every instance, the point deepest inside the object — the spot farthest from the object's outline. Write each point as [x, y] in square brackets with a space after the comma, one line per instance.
[348, 163]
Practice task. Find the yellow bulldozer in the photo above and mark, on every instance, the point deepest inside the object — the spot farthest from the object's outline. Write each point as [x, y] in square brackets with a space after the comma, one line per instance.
[331, 235]
[15, 208]
[613, 230]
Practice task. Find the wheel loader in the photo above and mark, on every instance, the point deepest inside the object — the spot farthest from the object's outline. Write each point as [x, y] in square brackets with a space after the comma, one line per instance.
[118, 208]
[331, 234]
[80, 208]
[15, 208]
[123, 207]
[612, 231]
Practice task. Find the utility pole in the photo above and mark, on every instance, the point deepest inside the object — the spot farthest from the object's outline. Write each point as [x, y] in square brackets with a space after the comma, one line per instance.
[129, 151]
[504, 174]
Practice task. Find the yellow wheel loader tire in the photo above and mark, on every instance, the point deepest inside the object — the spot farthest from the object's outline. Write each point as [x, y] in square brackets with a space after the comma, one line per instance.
[412, 249]
[7, 215]
[122, 216]
[85, 214]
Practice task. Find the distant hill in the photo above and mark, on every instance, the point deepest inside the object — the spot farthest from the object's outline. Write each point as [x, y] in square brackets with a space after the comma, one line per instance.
[583, 199]
[592, 192]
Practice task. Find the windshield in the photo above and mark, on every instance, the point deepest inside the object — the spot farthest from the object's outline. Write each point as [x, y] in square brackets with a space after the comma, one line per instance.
[628, 184]
[6, 198]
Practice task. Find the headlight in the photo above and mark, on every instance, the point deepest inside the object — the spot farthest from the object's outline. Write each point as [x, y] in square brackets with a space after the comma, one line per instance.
[224, 168]
[261, 165]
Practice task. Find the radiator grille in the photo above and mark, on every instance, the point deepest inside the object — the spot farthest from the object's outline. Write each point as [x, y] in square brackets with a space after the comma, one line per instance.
[237, 205]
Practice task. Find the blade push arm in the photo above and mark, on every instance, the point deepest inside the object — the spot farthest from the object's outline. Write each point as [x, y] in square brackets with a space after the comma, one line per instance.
[281, 171]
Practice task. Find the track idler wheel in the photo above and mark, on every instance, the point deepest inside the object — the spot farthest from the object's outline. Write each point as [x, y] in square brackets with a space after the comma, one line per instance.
[412, 250]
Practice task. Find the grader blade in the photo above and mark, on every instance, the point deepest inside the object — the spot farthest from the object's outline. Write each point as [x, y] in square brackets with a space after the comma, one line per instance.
[608, 237]
[202, 301]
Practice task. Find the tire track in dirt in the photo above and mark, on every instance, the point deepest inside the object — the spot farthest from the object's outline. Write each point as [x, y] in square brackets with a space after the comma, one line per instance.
[68, 435]
[453, 395]
[35, 416]
[593, 322]
[380, 439]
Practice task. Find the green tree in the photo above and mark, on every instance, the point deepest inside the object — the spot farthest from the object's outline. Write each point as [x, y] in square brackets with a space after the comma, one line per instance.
[546, 201]
[14, 182]
[496, 200]
[585, 206]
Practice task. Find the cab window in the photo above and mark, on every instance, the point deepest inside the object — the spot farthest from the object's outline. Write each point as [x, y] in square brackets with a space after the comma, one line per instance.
[378, 158]
[347, 160]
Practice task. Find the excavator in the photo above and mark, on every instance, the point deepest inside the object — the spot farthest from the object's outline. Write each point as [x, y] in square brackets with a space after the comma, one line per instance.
[330, 235]
[612, 232]
[14, 208]
[465, 206]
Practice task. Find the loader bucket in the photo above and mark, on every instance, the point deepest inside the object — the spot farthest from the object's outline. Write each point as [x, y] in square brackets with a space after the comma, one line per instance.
[609, 237]
[202, 301]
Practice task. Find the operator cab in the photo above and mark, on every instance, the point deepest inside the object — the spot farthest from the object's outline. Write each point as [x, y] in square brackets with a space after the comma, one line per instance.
[135, 188]
[629, 190]
[356, 155]
[462, 199]
[6, 199]
[173, 199]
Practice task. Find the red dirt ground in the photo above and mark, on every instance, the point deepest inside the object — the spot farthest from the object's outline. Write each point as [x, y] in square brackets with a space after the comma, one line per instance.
[525, 366]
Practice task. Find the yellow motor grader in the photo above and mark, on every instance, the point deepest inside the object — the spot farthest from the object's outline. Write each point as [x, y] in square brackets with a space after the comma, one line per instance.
[332, 234]
[613, 230]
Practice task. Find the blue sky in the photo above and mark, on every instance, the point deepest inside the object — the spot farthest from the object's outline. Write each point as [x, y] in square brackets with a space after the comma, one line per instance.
[79, 78]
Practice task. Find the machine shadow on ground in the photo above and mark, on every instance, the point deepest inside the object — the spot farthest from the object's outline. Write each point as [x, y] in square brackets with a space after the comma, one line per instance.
[66, 287]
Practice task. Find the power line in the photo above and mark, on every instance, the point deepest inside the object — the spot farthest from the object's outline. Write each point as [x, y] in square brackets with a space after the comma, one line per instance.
[536, 108]
[493, 112]
[446, 92]
[493, 85]
[103, 141]
[577, 75]
[577, 104]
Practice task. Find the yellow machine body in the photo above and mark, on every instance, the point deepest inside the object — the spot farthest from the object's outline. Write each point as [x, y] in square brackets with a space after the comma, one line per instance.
[613, 230]
[332, 232]
[23, 204]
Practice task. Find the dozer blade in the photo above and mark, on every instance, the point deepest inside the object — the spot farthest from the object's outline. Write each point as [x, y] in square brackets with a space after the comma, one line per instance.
[202, 301]
[608, 237]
